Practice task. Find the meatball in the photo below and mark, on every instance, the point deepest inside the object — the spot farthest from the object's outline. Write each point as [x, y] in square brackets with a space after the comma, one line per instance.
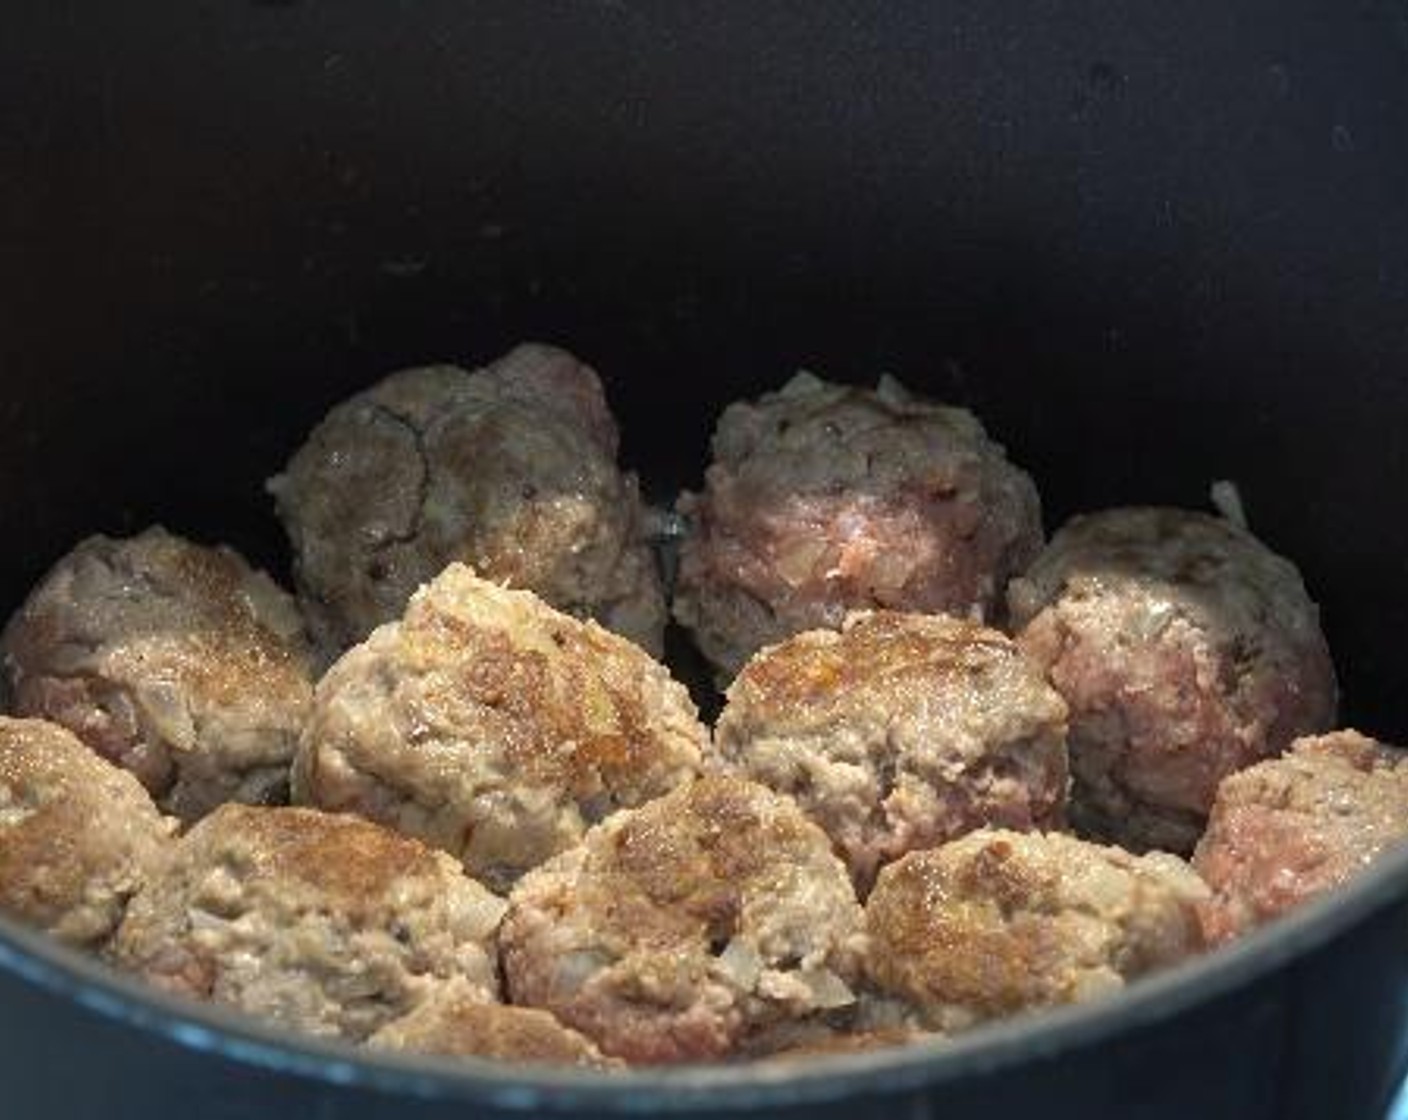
[901, 731]
[456, 1020]
[179, 662]
[822, 498]
[511, 468]
[1289, 829]
[1185, 649]
[78, 835]
[679, 930]
[1001, 922]
[322, 923]
[490, 725]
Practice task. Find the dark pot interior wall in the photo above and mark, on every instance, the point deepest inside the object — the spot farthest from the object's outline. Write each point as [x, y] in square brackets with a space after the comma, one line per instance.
[1150, 248]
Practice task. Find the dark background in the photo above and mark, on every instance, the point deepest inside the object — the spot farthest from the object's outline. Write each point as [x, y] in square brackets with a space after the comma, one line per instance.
[1151, 244]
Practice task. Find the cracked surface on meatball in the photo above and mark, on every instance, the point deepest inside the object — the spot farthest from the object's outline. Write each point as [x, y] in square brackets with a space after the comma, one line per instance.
[900, 731]
[1000, 922]
[78, 835]
[179, 662]
[1185, 649]
[822, 498]
[680, 930]
[510, 468]
[1289, 829]
[323, 923]
[457, 1020]
[494, 727]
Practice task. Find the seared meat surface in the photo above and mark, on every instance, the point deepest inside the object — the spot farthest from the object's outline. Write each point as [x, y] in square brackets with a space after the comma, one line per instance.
[998, 923]
[176, 661]
[457, 1020]
[492, 726]
[682, 930]
[78, 835]
[900, 731]
[323, 923]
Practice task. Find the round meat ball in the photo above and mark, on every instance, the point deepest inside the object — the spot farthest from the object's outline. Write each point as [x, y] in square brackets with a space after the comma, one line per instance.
[1287, 830]
[176, 661]
[900, 731]
[322, 923]
[681, 930]
[1185, 649]
[824, 498]
[492, 726]
[998, 923]
[78, 835]
[456, 1020]
[511, 468]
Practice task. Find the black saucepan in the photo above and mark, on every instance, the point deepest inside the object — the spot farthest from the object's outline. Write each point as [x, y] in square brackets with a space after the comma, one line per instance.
[1151, 245]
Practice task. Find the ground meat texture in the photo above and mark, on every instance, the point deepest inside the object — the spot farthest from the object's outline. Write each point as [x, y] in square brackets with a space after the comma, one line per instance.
[824, 498]
[490, 725]
[819, 1045]
[1001, 922]
[511, 468]
[900, 731]
[179, 662]
[681, 930]
[456, 1020]
[78, 835]
[322, 923]
[1289, 829]
[1185, 649]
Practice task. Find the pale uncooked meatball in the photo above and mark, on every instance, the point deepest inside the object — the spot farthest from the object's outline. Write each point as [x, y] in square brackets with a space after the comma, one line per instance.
[456, 1020]
[1289, 829]
[682, 930]
[510, 468]
[998, 923]
[900, 731]
[323, 923]
[176, 661]
[1185, 649]
[78, 835]
[494, 727]
[825, 498]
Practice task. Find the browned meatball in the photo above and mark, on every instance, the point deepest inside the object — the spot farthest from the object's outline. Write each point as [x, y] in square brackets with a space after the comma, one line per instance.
[323, 923]
[901, 731]
[999, 922]
[823, 498]
[179, 662]
[490, 725]
[1289, 829]
[457, 1020]
[677, 931]
[78, 836]
[511, 468]
[1186, 650]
